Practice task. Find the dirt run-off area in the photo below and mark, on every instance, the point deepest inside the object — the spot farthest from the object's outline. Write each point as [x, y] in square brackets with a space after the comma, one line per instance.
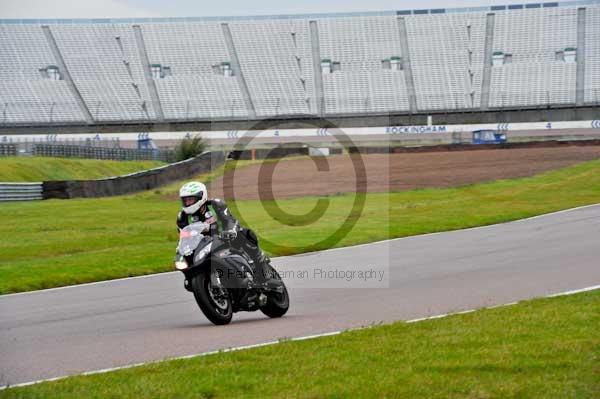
[395, 172]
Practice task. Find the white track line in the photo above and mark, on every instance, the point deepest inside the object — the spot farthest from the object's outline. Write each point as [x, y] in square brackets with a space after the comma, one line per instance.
[592, 288]
[285, 339]
[116, 280]
[309, 253]
[502, 305]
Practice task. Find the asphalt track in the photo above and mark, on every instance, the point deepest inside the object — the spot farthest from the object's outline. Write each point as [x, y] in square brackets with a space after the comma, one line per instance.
[96, 326]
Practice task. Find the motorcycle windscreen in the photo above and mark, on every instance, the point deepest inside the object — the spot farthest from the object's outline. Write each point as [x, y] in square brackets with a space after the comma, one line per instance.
[189, 238]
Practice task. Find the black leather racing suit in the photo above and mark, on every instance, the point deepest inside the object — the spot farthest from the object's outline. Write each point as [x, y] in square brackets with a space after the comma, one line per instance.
[216, 213]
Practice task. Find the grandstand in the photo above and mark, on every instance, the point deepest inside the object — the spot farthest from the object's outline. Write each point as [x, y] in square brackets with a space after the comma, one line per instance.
[154, 70]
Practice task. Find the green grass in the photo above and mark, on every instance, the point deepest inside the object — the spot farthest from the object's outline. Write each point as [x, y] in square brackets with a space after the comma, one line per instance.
[545, 348]
[61, 242]
[33, 169]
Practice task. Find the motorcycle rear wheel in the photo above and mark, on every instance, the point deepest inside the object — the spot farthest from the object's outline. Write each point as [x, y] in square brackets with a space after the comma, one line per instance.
[278, 303]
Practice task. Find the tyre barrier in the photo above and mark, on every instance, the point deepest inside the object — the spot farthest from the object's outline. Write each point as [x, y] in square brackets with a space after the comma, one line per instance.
[21, 191]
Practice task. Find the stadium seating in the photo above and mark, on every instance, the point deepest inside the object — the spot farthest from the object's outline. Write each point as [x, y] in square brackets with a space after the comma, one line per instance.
[447, 59]
[535, 76]
[276, 61]
[592, 55]
[253, 67]
[104, 63]
[360, 44]
[25, 96]
[193, 90]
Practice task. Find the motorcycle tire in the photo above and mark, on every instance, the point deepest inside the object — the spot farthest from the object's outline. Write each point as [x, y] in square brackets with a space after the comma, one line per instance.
[218, 312]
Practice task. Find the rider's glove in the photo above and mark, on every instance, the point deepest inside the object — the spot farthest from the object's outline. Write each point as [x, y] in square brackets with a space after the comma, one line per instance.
[228, 235]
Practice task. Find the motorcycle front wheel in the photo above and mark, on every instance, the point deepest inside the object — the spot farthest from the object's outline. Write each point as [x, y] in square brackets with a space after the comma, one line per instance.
[215, 302]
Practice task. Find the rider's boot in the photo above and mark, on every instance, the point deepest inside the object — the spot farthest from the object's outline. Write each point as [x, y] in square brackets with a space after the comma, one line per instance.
[262, 270]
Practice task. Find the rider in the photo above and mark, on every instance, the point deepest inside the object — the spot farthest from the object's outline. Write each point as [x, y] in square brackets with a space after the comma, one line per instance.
[196, 207]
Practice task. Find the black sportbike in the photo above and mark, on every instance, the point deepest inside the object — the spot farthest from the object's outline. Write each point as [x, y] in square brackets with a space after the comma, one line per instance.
[222, 278]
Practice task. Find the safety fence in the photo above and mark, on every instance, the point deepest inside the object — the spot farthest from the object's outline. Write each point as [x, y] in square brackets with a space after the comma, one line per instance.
[92, 152]
[8, 150]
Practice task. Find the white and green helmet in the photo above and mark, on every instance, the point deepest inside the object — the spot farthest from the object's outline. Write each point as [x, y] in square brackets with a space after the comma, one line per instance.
[196, 190]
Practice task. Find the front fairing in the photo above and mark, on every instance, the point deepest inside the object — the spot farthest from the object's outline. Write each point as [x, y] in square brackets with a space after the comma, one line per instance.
[190, 237]
[194, 247]
[202, 251]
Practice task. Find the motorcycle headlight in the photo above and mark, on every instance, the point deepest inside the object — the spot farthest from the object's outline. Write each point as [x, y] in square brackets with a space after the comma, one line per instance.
[181, 265]
[180, 262]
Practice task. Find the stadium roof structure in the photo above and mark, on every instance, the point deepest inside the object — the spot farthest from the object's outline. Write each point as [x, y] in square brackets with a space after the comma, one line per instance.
[494, 8]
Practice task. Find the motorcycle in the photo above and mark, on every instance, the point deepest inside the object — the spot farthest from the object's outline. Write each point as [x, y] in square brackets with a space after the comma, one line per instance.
[222, 279]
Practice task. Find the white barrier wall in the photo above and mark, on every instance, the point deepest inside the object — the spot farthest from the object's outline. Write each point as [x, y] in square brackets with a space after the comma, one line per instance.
[319, 132]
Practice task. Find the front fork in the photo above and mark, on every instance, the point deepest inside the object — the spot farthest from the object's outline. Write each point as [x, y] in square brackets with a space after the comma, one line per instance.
[215, 281]
[187, 285]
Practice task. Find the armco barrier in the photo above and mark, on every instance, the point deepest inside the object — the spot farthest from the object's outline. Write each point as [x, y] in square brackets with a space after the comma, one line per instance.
[146, 180]
[20, 191]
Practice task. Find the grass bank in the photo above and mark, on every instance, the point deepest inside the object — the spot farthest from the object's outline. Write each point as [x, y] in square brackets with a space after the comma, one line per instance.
[55, 243]
[545, 348]
[33, 169]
